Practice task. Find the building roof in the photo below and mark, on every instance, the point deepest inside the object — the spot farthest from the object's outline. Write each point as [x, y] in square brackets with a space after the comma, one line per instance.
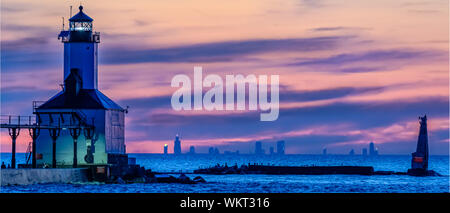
[81, 17]
[86, 99]
[63, 34]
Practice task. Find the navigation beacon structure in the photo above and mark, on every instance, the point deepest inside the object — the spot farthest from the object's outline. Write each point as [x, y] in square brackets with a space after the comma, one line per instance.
[80, 102]
[419, 161]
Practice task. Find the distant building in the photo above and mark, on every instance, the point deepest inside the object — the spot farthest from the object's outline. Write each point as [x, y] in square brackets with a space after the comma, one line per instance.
[231, 152]
[324, 151]
[352, 152]
[177, 145]
[372, 150]
[258, 148]
[280, 147]
[271, 150]
[191, 150]
[165, 149]
[364, 152]
[211, 150]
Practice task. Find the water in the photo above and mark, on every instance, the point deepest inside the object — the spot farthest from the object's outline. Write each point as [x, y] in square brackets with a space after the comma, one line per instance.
[267, 183]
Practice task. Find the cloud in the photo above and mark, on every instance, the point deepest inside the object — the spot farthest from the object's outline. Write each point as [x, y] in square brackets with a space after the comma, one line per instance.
[327, 28]
[24, 43]
[286, 95]
[340, 30]
[36, 36]
[19, 61]
[217, 51]
[14, 7]
[27, 53]
[370, 56]
[311, 3]
[30, 52]
[423, 11]
[361, 69]
[300, 96]
[17, 100]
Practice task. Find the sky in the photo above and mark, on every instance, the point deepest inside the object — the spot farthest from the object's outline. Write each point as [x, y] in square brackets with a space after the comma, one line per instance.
[351, 72]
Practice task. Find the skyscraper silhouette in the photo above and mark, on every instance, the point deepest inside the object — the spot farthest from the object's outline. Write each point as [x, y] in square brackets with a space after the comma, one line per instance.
[352, 152]
[177, 145]
[258, 148]
[191, 150]
[364, 152]
[280, 147]
[372, 150]
[211, 150]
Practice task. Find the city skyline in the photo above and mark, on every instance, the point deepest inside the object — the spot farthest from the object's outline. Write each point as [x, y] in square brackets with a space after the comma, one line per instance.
[259, 149]
[350, 72]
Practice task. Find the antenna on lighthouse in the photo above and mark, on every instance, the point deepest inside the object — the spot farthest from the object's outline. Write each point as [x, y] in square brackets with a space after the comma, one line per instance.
[62, 23]
[70, 10]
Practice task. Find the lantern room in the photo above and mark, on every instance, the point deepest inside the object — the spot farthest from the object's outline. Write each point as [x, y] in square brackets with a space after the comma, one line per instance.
[80, 22]
[80, 29]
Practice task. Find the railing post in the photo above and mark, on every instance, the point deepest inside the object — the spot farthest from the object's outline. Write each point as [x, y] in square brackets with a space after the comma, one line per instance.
[54, 133]
[89, 134]
[34, 133]
[75, 132]
[14, 133]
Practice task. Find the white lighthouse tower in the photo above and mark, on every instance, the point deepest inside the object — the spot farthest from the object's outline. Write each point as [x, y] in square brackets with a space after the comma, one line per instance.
[92, 125]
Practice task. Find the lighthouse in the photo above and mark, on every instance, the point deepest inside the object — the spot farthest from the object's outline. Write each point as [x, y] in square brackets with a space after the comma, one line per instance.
[81, 49]
[419, 161]
[92, 125]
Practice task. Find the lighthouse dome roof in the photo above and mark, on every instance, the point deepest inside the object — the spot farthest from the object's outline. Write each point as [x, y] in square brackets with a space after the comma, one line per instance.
[81, 17]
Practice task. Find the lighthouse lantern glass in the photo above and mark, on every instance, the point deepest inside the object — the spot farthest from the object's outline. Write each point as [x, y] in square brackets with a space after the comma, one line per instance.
[80, 26]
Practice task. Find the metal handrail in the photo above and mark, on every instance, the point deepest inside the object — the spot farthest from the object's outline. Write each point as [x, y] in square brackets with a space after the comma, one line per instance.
[80, 115]
[17, 120]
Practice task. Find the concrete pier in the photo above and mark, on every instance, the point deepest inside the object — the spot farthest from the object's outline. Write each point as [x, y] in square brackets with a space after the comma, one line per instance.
[37, 176]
